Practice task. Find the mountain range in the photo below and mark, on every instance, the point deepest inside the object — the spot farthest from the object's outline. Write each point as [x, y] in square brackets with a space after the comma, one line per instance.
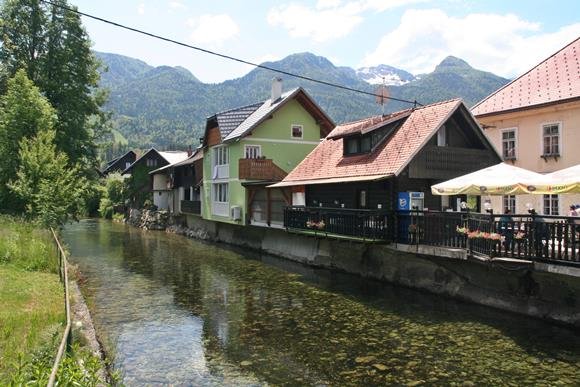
[166, 106]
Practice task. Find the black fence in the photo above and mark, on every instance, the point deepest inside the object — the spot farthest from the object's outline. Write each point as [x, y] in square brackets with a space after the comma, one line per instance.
[191, 207]
[553, 239]
[365, 224]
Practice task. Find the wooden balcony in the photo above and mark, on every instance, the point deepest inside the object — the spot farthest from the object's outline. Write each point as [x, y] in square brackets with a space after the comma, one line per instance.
[260, 169]
[191, 207]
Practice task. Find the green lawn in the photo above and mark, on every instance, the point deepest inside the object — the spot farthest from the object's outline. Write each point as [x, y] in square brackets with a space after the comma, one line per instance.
[31, 315]
[32, 311]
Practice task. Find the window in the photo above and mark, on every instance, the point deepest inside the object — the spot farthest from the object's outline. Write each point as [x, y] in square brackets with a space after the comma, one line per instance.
[362, 198]
[127, 164]
[253, 151]
[551, 205]
[221, 155]
[220, 192]
[551, 133]
[442, 136]
[352, 146]
[297, 131]
[151, 162]
[508, 144]
[365, 144]
[509, 203]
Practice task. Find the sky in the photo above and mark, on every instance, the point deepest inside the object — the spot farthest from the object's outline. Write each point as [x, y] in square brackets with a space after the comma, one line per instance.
[500, 36]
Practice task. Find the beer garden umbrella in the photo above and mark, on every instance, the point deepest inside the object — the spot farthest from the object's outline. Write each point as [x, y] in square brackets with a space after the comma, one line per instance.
[499, 179]
[563, 181]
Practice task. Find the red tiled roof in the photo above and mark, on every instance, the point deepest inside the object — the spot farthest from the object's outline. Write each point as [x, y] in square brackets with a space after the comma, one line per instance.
[555, 79]
[366, 124]
[327, 161]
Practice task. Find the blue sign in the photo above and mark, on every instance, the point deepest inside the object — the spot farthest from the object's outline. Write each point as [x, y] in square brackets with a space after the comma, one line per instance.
[404, 202]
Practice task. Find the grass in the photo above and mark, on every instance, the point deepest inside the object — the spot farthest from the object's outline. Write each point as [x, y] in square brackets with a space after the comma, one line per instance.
[32, 310]
[31, 315]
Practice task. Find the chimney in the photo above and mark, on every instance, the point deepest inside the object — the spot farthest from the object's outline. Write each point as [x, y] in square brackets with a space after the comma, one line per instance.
[189, 151]
[276, 89]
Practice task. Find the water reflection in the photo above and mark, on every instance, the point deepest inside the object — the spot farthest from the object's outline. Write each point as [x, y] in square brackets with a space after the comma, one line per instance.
[176, 311]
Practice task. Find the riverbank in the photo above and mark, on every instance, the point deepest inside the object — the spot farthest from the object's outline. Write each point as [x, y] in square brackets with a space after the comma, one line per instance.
[536, 290]
[32, 313]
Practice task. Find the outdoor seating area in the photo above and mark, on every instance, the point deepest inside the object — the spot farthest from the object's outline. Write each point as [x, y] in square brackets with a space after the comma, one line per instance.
[554, 239]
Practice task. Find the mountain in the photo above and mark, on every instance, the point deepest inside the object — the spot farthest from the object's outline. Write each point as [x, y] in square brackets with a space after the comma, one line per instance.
[166, 106]
[390, 75]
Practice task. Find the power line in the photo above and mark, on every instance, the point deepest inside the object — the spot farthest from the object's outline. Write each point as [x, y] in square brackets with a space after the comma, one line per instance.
[415, 103]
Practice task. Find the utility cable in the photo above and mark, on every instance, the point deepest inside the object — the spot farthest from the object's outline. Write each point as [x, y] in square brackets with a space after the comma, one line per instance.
[414, 103]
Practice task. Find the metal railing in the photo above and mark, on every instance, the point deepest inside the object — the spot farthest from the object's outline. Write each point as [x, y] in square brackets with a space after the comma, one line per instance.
[67, 336]
[365, 224]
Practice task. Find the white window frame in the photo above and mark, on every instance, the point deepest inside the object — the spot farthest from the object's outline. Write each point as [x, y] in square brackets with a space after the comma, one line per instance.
[507, 201]
[221, 155]
[248, 149]
[292, 131]
[220, 193]
[515, 140]
[542, 127]
[552, 209]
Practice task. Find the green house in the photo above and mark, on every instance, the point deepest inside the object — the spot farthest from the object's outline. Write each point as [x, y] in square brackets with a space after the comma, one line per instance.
[251, 147]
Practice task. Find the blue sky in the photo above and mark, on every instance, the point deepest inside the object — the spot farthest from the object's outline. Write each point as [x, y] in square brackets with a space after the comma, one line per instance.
[504, 37]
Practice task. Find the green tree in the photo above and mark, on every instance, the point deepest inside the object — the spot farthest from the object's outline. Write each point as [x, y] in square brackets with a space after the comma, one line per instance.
[23, 113]
[53, 191]
[51, 43]
[113, 196]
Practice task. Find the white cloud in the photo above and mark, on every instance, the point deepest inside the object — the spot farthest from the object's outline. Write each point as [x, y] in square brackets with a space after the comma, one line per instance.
[329, 19]
[503, 44]
[176, 5]
[141, 9]
[213, 29]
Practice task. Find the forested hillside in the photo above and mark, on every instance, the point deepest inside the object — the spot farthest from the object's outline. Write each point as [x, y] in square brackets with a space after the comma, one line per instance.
[167, 106]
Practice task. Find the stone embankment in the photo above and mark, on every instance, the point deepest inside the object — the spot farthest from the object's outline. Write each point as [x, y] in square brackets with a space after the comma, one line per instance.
[149, 219]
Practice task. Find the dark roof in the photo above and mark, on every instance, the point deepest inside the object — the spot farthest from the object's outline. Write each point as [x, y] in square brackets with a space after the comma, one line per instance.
[239, 122]
[231, 119]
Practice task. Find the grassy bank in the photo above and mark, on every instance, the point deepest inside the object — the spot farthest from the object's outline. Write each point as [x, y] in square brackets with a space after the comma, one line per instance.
[32, 314]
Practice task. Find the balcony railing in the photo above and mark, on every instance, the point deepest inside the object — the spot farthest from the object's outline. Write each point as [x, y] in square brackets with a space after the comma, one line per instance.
[365, 224]
[554, 239]
[260, 169]
[191, 207]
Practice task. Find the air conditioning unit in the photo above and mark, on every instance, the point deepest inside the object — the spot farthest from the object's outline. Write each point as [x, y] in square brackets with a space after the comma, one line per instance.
[236, 212]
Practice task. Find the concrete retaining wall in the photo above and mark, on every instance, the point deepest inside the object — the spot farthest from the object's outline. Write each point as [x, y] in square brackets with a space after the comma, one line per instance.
[538, 290]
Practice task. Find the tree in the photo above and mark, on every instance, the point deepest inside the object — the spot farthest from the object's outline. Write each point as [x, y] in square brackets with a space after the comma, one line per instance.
[51, 43]
[23, 113]
[53, 191]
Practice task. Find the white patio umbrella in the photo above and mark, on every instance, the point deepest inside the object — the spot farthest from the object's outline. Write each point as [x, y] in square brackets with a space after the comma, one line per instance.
[563, 181]
[500, 179]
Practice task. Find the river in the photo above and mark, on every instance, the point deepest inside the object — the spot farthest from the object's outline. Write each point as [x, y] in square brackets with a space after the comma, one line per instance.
[171, 310]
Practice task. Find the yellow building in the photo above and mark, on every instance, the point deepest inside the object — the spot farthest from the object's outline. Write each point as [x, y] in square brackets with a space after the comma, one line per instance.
[534, 122]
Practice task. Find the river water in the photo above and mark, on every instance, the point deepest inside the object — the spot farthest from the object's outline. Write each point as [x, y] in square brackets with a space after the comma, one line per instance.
[170, 310]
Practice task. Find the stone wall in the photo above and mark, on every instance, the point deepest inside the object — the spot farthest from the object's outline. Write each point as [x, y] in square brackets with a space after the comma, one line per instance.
[149, 219]
[534, 289]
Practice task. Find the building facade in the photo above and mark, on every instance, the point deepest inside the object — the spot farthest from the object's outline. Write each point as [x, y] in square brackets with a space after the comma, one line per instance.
[248, 148]
[534, 122]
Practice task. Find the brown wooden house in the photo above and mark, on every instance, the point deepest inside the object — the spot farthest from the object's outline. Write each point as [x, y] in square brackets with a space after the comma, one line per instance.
[364, 165]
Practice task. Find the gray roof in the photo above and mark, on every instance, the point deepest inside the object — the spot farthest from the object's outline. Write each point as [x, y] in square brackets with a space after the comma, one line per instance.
[231, 119]
[263, 110]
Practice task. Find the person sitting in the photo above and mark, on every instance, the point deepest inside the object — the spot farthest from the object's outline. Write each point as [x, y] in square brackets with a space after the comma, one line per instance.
[506, 229]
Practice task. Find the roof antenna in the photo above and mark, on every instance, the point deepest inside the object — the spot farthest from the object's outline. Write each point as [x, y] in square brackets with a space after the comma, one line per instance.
[382, 95]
